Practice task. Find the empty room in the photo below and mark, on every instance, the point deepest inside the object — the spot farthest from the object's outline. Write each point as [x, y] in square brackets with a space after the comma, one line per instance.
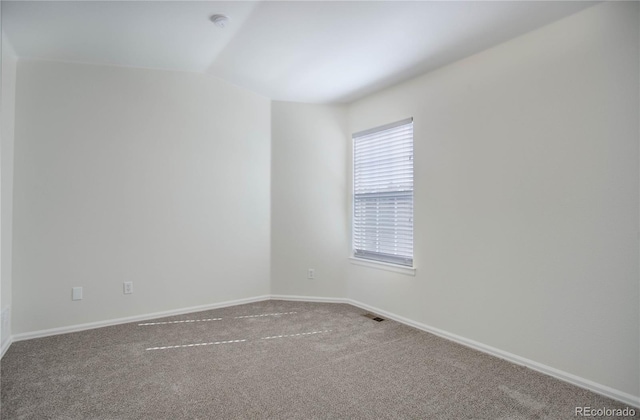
[320, 210]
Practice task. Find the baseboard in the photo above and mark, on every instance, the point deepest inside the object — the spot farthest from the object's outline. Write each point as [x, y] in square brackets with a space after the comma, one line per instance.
[317, 299]
[135, 318]
[5, 346]
[615, 394]
[609, 392]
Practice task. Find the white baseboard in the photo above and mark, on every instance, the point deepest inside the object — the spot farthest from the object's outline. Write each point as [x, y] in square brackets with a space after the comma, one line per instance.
[135, 318]
[513, 358]
[615, 394]
[612, 393]
[5, 346]
[5, 328]
[317, 299]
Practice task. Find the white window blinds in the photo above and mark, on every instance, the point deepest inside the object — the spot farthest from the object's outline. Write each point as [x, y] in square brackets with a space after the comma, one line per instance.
[383, 193]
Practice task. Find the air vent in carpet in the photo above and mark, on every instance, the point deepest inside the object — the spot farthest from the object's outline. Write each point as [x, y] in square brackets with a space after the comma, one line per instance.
[374, 317]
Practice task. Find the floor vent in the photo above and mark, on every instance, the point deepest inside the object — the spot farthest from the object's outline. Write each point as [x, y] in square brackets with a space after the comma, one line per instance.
[374, 317]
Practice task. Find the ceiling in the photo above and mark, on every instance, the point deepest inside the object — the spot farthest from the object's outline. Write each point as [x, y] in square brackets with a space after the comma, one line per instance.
[300, 51]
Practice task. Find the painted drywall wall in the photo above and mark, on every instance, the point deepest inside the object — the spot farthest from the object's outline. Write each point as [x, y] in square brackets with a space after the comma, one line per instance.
[308, 199]
[156, 177]
[9, 62]
[526, 197]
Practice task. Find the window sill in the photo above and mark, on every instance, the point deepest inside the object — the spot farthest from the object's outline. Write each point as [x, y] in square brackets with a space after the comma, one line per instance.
[410, 271]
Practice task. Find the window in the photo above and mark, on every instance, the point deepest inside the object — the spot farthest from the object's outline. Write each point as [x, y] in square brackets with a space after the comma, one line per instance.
[383, 193]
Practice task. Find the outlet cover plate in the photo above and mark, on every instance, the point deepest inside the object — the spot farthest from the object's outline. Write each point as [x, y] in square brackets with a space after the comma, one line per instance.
[127, 287]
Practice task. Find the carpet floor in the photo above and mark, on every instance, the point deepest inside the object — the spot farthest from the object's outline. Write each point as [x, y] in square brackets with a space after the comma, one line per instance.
[273, 360]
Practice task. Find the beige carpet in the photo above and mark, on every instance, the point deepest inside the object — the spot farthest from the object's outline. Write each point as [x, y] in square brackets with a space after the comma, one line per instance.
[277, 360]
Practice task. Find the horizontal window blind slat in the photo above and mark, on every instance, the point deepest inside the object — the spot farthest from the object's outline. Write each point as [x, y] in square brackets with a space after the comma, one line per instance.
[386, 195]
[384, 154]
[390, 137]
[401, 214]
[373, 245]
[403, 160]
[389, 176]
[400, 229]
[389, 237]
[389, 248]
[389, 181]
[398, 217]
[400, 144]
[387, 170]
[386, 241]
[403, 251]
[386, 166]
[393, 140]
[370, 216]
[383, 188]
[403, 142]
[371, 201]
[399, 179]
[377, 157]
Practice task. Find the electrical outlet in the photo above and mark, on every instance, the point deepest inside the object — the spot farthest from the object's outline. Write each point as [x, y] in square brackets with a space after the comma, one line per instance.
[311, 274]
[76, 293]
[127, 287]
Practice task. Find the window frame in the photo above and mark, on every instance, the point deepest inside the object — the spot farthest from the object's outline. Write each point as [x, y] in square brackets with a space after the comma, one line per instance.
[367, 257]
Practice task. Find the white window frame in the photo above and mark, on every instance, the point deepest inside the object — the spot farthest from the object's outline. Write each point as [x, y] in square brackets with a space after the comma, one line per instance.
[401, 259]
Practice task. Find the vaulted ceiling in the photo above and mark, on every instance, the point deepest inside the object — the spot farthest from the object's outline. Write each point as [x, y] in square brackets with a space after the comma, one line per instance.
[302, 51]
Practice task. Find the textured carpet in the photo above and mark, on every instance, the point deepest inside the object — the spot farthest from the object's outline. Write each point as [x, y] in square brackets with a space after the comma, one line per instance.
[273, 359]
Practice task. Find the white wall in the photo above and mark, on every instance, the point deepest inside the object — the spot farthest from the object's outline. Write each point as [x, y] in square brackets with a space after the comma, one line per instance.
[9, 62]
[526, 200]
[527, 188]
[156, 177]
[308, 199]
